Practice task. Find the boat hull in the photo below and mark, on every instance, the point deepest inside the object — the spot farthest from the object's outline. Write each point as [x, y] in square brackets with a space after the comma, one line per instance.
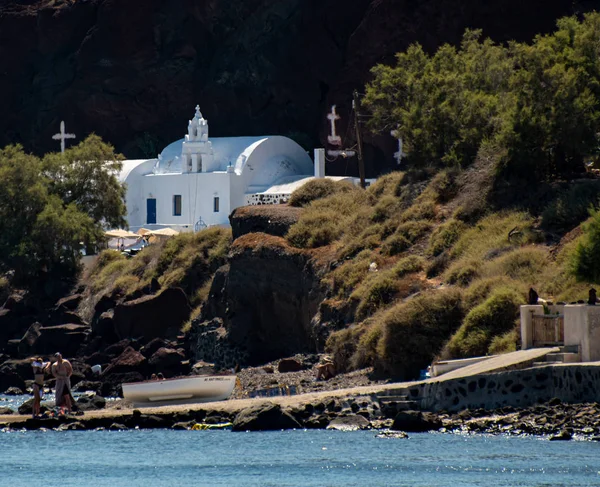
[179, 391]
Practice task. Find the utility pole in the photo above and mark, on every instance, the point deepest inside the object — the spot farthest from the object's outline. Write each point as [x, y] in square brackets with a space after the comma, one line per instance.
[361, 162]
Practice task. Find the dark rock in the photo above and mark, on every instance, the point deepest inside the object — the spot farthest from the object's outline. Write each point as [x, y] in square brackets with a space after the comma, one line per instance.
[128, 361]
[31, 336]
[555, 401]
[416, 422]
[86, 385]
[289, 365]
[152, 316]
[13, 391]
[272, 219]
[152, 347]
[264, 417]
[145, 421]
[6, 411]
[91, 403]
[269, 369]
[564, 435]
[104, 326]
[117, 427]
[74, 426]
[203, 368]
[118, 348]
[185, 425]
[169, 362]
[27, 407]
[69, 303]
[392, 434]
[64, 338]
[349, 423]
[317, 421]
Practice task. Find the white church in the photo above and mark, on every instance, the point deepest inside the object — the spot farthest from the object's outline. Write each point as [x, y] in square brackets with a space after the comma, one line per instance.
[198, 181]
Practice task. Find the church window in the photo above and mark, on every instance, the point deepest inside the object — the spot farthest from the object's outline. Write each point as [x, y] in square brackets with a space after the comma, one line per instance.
[177, 205]
[216, 204]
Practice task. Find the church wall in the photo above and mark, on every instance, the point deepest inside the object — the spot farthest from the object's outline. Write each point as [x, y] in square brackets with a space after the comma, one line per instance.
[136, 210]
[197, 193]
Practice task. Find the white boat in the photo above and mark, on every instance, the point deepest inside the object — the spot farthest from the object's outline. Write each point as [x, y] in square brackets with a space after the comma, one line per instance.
[198, 388]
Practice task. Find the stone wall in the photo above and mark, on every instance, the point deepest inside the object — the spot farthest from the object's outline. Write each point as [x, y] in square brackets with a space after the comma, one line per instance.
[517, 388]
[267, 199]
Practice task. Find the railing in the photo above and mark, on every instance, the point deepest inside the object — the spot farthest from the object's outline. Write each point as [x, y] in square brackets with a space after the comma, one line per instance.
[548, 330]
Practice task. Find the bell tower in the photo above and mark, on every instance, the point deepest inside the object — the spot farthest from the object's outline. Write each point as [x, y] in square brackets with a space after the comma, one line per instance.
[197, 152]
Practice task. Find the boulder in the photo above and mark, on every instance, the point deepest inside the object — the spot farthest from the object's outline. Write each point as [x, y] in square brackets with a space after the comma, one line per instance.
[272, 219]
[289, 365]
[564, 435]
[415, 422]
[117, 427]
[13, 391]
[152, 347]
[27, 407]
[91, 402]
[104, 326]
[5, 411]
[64, 338]
[264, 417]
[30, 338]
[169, 362]
[117, 348]
[86, 386]
[203, 368]
[129, 361]
[349, 423]
[69, 303]
[152, 316]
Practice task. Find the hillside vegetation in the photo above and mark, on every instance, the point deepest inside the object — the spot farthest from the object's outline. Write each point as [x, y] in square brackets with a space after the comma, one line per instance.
[435, 261]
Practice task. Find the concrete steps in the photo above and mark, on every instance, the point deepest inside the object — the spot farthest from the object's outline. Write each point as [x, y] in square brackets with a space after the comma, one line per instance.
[566, 355]
[396, 400]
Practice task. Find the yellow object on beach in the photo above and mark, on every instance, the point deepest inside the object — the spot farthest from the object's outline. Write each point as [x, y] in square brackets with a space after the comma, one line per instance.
[220, 426]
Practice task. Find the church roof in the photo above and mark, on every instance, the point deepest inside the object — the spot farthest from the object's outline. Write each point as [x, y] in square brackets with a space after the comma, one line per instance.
[227, 151]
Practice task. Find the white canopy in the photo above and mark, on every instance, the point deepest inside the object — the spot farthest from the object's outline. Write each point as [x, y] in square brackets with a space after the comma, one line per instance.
[165, 232]
[121, 234]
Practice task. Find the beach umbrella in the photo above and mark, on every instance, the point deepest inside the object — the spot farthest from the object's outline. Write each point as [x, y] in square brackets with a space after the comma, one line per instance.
[120, 234]
[143, 231]
[165, 232]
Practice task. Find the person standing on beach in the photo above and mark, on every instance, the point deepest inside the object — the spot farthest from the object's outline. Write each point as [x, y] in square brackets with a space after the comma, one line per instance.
[39, 369]
[62, 371]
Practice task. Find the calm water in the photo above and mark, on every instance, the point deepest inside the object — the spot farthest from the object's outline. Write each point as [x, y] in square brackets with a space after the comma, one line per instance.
[289, 458]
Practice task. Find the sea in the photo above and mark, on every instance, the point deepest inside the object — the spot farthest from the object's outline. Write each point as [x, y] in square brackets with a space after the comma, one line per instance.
[137, 458]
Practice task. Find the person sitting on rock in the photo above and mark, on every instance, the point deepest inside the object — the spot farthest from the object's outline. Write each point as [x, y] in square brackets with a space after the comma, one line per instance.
[326, 369]
[39, 369]
[160, 376]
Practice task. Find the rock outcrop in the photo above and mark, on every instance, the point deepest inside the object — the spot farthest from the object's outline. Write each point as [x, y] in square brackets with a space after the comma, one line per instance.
[264, 417]
[268, 298]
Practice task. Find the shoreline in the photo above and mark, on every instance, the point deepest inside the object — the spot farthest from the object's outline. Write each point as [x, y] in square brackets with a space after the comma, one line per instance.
[344, 409]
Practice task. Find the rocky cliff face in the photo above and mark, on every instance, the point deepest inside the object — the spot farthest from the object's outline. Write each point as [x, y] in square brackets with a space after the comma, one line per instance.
[131, 70]
[267, 297]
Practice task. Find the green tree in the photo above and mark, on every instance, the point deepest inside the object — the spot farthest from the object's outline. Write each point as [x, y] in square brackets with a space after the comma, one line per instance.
[50, 207]
[86, 175]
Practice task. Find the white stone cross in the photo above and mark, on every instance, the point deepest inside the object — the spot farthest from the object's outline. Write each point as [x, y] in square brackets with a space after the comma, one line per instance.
[62, 136]
[333, 139]
[398, 155]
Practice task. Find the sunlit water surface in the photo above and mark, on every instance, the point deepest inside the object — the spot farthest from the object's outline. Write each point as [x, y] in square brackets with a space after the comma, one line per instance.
[290, 458]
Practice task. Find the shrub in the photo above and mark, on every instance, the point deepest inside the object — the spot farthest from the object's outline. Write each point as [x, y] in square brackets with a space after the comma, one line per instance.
[436, 266]
[505, 343]
[413, 230]
[480, 289]
[374, 293]
[317, 189]
[388, 184]
[524, 264]
[495, 316]
[414, 332]
[395, 245]
[385, 208]
[408, 265]
[462, 272]
[326, 220]
[423, 210]
[126, 284]
[572, 206]
[347, 276]
[444, 236]
[444, 186]
[585, 260]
